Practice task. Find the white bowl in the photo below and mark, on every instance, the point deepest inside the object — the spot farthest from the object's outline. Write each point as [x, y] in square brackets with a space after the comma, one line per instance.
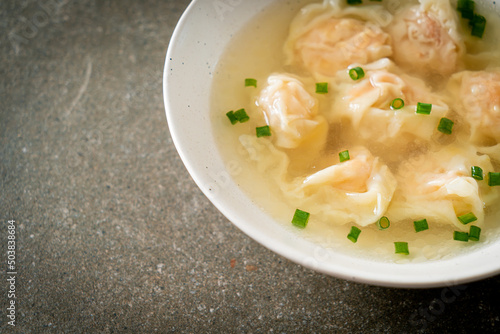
[199, 40]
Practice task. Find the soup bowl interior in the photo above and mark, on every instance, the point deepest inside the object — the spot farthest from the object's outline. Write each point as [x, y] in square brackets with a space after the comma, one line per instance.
[198, 42]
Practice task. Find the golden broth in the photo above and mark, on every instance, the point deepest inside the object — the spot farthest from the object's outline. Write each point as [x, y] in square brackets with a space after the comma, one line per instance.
[256, 52]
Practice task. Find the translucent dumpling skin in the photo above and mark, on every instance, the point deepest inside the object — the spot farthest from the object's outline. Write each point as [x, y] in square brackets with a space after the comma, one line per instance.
[478, 101]
[366, 103]
[425, 38]
[355, 191]
[291, 112]
[335, 43]
[439, 186]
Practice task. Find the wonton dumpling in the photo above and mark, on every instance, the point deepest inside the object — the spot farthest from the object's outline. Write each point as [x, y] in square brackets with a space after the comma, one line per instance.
[331, 41]
[425, 38]
[292, 113]
[478, 94]
[366, 103]
[355, 191]
[438, 186]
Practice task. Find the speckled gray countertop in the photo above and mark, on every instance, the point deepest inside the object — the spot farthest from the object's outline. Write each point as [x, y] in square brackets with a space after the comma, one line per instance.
[113, 236]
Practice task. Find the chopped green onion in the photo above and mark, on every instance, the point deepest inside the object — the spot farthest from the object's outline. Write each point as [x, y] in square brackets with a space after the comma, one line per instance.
[478, 24]
[467, 218]
[354, 234]
[460, 236]
[322, 87]
[401, 247]
[424, 108]
[354, 2]
[477, 172]
[421, 225]
[232, 117]
[474, 233]
[397, 104]
[383, 223]
[300, 218]
[445, 125]
[493, 179]
[466, 7]
[356, 73]
[263, 131]
[250, 82]
[241, 115]
[344, 156]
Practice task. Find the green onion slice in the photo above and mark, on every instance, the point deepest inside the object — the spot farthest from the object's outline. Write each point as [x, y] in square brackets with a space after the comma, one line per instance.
[474, 233]
[445, 125]
[344, 156]
[354, 2]
[467, 218]
[354, 234]
[356, 73]
[397, 104]
[383, 223]
[478, 23]
[232, 117]
[424, 108]
[300, 218]
[460, 236]
[401, 247]
[322, 87]
[493, 179]
[249, 82]
[421, 225]
[477, 173]
[241, 115]
[466, 8]
[263, 131]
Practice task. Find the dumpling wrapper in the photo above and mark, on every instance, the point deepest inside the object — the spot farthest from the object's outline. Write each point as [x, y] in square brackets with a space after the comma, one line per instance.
[325, 38]
[292, 114]
[426, 38]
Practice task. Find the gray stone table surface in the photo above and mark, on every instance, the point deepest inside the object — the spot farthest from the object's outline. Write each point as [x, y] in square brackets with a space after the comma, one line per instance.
[112, 234]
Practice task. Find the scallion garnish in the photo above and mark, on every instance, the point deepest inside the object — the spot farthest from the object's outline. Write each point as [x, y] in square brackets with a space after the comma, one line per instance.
[478, 24]
[460, 236]
[263, 131]
[401, 247]
[344, 156]
[493, 179]
[383, 223]
[250, 82]
[232, 117]
[445, 125]
[241, 115]
[397, 104]
[356, 73]
[424, 108]
[474, 233]
[477, 172]
[420, 225]
[300, 218]
[467, 218]
[322, 87]
[354, 234]
[466, 7]
[354, 2]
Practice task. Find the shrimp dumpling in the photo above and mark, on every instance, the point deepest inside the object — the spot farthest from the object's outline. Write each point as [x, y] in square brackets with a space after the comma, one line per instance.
[325, 38]
[355, 191]
[292, 113]
[438, 186]
[478, 96]
[334, 44]
[366, 103]
[426, 39]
